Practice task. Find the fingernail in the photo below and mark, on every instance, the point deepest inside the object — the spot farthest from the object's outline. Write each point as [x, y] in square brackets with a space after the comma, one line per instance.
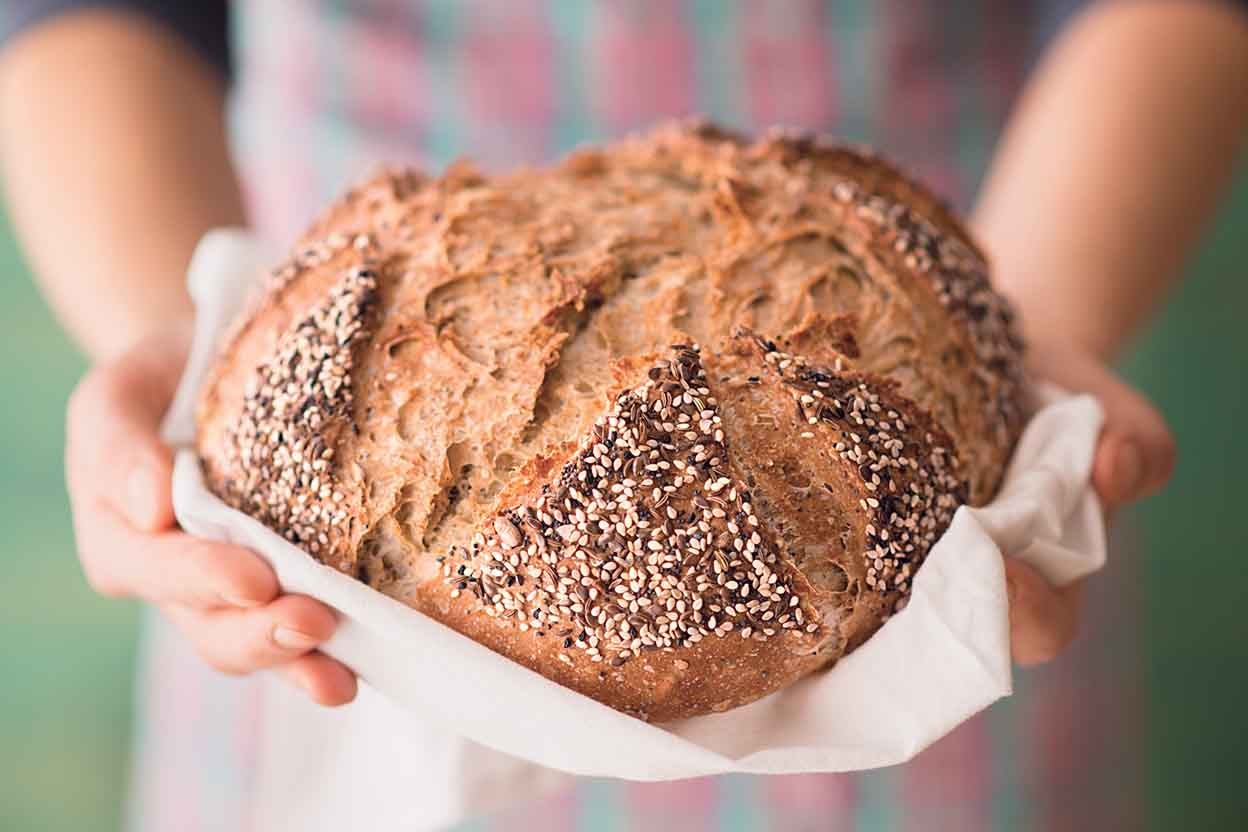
[140, 497]
[1128, 471]
[290, 639]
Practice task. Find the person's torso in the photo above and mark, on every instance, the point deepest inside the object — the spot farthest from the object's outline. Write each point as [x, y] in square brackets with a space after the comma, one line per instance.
[329, 87]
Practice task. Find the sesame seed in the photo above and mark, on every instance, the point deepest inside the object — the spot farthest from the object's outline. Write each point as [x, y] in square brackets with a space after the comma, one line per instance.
[875, 454]
[274, 445]
[507, 533]
[662, 542]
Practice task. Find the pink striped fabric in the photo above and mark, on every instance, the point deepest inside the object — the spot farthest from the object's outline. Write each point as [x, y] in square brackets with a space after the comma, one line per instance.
[508, 48]
[327, 87]
[789, 63]
[644, 64]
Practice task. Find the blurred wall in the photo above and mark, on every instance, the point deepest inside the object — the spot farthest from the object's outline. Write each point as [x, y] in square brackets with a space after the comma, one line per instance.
[1195, 365]
[66, 655]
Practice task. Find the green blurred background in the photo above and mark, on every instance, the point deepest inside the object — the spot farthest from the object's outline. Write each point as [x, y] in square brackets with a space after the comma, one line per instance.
[66, 656]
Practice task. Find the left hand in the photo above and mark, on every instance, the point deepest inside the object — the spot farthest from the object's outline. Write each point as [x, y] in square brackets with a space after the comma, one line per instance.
[1134, 458]
[224, 599]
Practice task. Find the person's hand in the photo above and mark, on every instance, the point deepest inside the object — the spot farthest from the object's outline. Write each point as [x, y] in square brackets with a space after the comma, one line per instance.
[1134, 458]
[224, 598]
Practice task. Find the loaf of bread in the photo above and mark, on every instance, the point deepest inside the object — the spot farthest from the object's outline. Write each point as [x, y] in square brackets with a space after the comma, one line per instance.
[672, 423]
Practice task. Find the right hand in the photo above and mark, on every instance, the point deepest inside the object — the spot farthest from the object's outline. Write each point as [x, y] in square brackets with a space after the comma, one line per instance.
[1134, 458]
[224, 599]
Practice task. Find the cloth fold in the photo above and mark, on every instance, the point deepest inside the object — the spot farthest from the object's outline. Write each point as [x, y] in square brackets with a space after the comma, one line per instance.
[943, 658]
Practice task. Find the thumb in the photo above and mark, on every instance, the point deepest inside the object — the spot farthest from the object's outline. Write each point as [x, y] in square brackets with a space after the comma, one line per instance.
[1135, 453]
[1134, 457]
[1117, 470]
[147, 502]
[113, 447]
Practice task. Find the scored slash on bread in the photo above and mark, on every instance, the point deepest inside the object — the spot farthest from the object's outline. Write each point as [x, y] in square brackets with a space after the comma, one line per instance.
[673, 423]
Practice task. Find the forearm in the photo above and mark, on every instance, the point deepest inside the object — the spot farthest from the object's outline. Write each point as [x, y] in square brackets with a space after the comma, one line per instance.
[1118, 155]
[115, 161]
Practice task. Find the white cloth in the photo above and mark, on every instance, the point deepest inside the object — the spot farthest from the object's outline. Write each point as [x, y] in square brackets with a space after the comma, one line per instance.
[435, 702]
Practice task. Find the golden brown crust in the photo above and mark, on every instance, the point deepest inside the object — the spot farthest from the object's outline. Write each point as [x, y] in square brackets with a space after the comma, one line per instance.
[485, 398]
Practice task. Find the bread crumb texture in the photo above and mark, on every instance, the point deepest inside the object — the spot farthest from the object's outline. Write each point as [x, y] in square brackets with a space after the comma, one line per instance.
[673, 423]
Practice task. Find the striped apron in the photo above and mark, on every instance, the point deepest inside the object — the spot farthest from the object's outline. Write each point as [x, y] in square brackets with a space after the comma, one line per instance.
[326, 88]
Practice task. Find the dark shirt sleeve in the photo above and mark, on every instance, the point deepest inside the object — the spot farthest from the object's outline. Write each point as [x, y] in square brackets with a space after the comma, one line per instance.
[1049, 17]
[203, 25]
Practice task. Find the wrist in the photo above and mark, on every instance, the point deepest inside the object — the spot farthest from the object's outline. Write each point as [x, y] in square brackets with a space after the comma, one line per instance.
[1045, 322]
[157, 320]
[1059, 298]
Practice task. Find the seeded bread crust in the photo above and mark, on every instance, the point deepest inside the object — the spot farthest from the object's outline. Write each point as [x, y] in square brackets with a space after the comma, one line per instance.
[672, 423]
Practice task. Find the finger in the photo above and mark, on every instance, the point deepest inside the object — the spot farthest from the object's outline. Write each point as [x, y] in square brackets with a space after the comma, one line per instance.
[1136, 452]
[1134, 457]
[243, 641]
[1158, 449]
[169, 567]
[113, 453]
[1043, 620]
[148, 491]
[1118, 470]
[326, 681]
[113, 448]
